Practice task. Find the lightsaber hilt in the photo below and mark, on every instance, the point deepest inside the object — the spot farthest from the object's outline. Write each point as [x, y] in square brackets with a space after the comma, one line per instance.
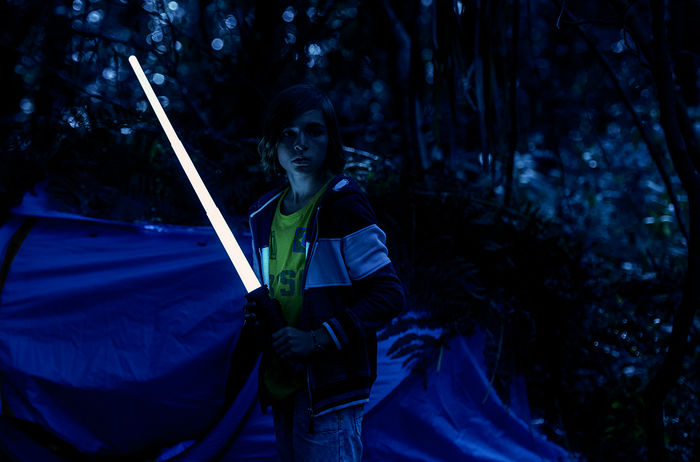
[267, 311]
[240, 263]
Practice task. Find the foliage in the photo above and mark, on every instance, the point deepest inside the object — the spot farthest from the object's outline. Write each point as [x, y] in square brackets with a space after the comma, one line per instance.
[583, 333]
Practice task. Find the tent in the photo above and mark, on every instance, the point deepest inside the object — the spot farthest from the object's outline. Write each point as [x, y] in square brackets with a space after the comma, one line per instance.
[116, 343]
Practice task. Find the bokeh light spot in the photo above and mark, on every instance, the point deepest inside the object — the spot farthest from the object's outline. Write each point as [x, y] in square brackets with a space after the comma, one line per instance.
[217, 44]
[95, 17]
[158, 78]
[109, 74]
[230, 22]
[26, 105]
[314, 49]
[289, 14]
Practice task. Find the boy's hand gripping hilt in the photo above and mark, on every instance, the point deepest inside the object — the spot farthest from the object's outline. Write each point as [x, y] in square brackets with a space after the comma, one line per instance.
[267, 310]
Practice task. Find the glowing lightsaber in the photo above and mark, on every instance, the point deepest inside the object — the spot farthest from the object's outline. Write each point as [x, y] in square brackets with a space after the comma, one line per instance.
[240, 263]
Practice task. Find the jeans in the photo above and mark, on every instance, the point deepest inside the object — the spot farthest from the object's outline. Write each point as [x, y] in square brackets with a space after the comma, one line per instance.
[331, 437]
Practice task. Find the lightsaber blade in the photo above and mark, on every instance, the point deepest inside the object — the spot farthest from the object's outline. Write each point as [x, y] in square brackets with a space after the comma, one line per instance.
[240, 263]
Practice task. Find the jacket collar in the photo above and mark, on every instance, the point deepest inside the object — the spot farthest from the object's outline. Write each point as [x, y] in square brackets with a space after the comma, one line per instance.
[339, 184]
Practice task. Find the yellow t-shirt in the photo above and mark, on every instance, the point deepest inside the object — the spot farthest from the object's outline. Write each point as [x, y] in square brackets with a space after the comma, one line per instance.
[287, 261]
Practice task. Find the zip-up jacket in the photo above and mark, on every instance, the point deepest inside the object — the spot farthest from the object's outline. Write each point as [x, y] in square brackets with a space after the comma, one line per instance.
[350, 288]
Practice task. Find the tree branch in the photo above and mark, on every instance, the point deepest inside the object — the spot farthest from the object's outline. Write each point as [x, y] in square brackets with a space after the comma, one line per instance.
[656, 156]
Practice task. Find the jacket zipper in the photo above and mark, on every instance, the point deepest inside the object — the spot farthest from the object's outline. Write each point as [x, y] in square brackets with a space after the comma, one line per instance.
[313, 247]
[310, 409]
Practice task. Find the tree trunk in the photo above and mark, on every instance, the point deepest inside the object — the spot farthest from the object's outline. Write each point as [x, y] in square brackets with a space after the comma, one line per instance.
[479, 83]
[513, 101]
[411, 173]
[403, 72]
[666, 377]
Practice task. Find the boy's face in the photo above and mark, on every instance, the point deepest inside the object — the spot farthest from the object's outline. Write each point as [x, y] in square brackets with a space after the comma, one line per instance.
[303, 144]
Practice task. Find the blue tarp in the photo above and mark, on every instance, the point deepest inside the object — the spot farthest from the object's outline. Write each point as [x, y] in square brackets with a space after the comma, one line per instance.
[117, 338]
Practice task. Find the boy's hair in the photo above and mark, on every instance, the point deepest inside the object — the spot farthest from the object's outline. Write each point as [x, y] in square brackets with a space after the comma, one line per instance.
[286, 106]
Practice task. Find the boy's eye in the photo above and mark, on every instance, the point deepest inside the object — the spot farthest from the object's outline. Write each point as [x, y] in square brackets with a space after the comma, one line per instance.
[315, 130]
[287, 133]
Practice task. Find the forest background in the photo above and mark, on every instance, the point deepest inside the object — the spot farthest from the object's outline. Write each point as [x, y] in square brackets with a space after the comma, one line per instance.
[535, 164]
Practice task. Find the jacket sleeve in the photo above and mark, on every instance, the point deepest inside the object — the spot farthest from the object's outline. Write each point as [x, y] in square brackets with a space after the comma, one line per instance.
[379, 293]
